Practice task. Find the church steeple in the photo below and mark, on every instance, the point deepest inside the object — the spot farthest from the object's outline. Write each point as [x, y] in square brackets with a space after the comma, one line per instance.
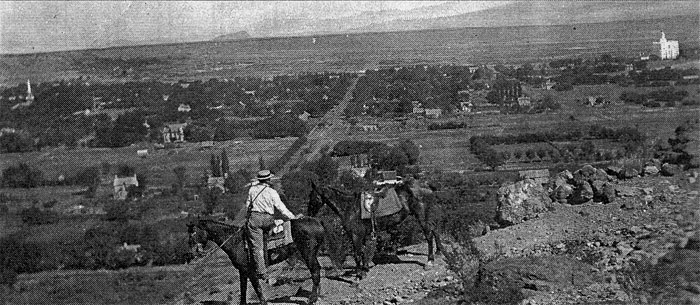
[30, 96]
[663, 37]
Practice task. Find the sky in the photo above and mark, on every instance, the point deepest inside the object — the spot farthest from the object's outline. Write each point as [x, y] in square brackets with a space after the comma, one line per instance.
[27, 26]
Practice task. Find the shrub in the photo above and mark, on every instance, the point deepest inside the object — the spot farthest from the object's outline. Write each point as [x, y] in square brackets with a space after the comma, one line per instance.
[35, 216]
[22, 175]
[15, 142]
[117, 211]
[17, 256]
[124, 170]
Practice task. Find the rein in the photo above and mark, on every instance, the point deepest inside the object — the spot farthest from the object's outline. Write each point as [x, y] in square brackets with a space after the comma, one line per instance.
[209, 252]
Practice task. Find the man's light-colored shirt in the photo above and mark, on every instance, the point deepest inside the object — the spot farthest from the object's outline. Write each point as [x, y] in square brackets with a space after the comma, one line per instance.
[265, 199]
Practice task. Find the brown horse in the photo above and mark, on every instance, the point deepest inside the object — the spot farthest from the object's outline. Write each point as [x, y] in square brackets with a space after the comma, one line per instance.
[308, 234]
[360, 229]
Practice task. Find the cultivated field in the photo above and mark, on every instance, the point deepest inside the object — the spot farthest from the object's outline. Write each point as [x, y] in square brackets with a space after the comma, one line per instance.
[159, 163]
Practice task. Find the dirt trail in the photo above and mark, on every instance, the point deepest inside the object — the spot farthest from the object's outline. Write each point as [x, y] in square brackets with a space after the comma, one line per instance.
[401, 279]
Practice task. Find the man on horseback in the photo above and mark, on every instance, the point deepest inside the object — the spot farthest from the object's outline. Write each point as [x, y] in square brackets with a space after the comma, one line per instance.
[261, 203]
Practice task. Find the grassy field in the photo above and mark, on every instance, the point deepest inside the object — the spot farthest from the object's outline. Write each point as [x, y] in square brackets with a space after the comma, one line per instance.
[139, 285]
[158, 165]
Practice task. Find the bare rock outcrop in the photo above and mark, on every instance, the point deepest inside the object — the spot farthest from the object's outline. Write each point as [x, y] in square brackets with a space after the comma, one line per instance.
[584, 185]
[521, 201]
[539, 273]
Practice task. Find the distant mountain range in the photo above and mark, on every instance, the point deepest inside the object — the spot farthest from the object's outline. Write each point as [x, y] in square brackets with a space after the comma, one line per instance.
[543, 13]
[233, 36]
[447, 15]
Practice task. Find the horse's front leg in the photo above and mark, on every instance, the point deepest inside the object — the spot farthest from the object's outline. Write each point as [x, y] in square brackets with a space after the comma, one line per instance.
[429, 239]
[358, 255]
[243, 281]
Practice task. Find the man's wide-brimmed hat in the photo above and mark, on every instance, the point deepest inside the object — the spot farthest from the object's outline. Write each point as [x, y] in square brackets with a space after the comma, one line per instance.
[264, 175]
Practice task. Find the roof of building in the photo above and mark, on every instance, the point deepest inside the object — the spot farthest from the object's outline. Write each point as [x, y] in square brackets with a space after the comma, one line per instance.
[119, 181]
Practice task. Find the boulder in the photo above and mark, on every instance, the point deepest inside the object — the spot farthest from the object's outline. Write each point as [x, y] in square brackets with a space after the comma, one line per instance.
[540, 273]
[603, 191]
[586, 173]
[668, 169]
[628, 173]
[562, 193]
[650, 170]
[601, 175]
[614, 170]
[520, 201]
[562, 178]
[582, 194]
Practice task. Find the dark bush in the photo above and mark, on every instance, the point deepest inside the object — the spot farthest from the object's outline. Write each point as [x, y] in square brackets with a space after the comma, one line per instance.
[117, 211]
[22, 175]
[15, 142]
[349, 147]
[35, 216]
[17, 255]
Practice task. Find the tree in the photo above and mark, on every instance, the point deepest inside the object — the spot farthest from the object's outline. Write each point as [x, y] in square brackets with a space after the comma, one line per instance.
[124, 170]
[261, 162]
[411, 150]
[325, 168]
[22, 175]
[15, 142]
[297, 184]
[235, 182]
[181, 175]
[391, 158]
[224, 163]
[90, 178]
[492, 158]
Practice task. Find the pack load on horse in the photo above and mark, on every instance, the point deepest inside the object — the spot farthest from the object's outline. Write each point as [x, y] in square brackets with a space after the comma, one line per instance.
[245, 241]
[350, 208]
[382, 200]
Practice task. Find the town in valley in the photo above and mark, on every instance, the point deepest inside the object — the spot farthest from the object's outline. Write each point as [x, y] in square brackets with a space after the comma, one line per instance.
[553, 150]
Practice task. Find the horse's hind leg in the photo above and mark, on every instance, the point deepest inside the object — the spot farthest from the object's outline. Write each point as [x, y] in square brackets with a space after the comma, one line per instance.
[438, 243]
[243, 280]
[310, 254]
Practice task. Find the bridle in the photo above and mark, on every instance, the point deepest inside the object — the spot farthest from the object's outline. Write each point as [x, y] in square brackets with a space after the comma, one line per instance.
[209, 252]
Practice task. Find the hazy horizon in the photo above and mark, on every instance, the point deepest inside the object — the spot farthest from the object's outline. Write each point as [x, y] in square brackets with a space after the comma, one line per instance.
[28, 27]
[38, 27]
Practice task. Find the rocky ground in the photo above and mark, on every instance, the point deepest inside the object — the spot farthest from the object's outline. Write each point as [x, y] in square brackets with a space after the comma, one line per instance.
[634, 240]
[398, 279]
[641, 247]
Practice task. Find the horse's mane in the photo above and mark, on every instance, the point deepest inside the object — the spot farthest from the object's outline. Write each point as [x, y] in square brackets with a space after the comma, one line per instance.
[210, 223]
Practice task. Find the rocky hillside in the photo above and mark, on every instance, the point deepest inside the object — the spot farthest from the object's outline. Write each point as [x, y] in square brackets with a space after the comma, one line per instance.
[614, 236]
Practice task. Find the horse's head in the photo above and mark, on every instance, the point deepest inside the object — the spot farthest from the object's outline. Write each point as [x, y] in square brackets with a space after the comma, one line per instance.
[320, 196]
[198, 235]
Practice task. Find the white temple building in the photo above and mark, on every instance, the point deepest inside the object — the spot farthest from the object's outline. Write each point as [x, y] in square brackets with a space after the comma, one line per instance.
[668, 48]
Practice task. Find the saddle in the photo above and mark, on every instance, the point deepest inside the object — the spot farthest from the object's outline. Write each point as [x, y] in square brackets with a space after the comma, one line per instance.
[387, 205]
[280, 235]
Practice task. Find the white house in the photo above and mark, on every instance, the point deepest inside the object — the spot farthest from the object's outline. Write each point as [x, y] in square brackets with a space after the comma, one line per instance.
[121, 186]
[668, 49]
[466, 106]
[174, 132]
[370, 128]
[184, 108]
[433, 113]
[524, 101]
